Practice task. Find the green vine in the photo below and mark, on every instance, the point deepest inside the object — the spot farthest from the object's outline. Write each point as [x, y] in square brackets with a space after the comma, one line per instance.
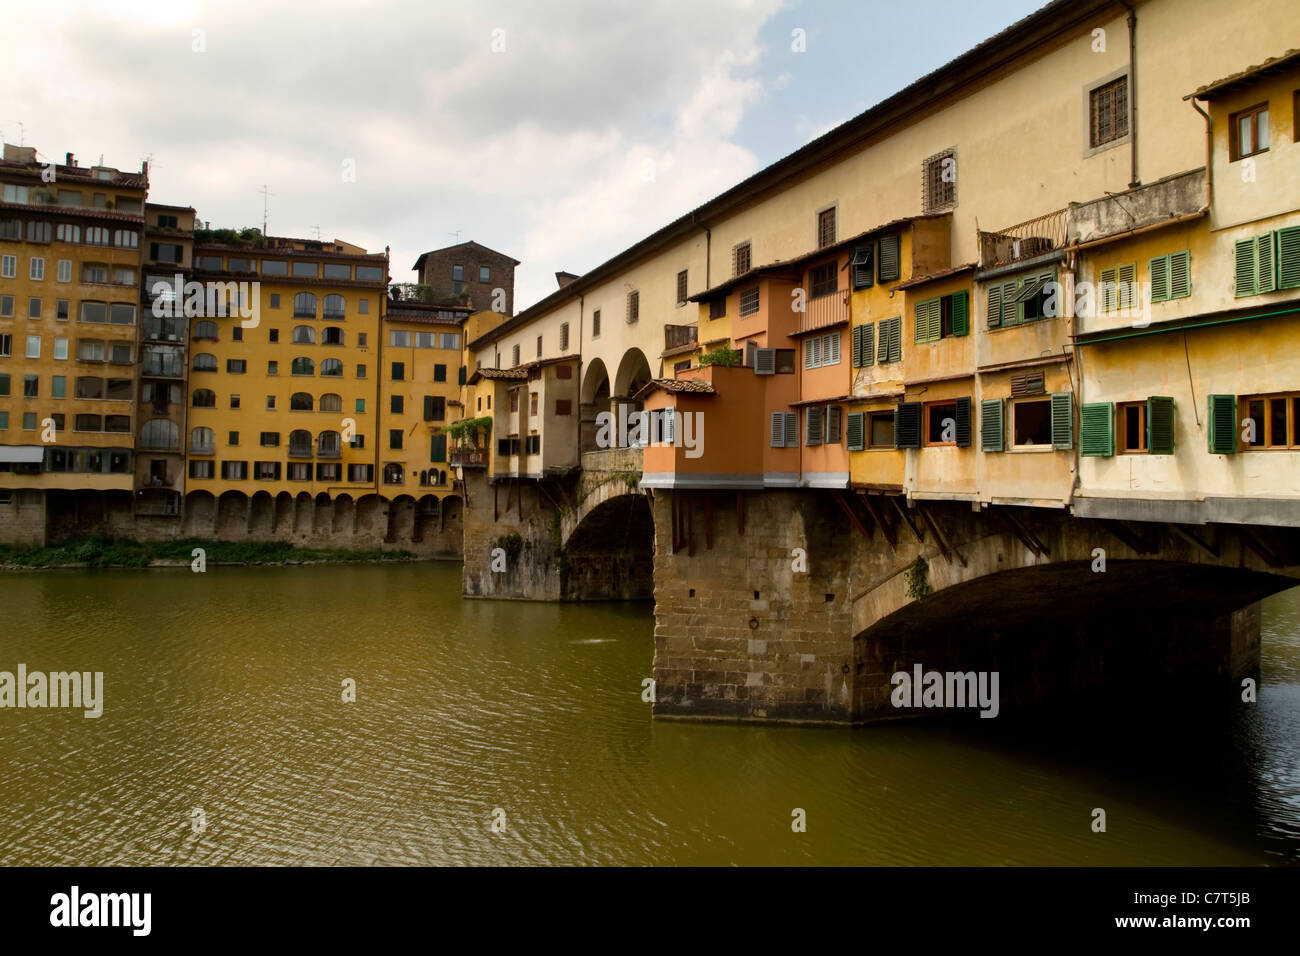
[465, 431]
[721, 356]
[918, 579]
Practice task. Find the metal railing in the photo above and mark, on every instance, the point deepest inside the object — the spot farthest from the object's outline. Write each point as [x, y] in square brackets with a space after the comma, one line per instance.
[468, 457]
[1025, 240]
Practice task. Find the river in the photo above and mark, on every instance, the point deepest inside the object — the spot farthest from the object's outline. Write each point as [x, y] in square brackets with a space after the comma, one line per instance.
[224, 739]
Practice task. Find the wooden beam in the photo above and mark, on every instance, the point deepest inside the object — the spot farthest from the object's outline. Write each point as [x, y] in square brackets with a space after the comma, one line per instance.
[1027, 537]
[1210, 549]
[708, 520]
[1251, 541]
[1127, 535]
[690, 526]
[881, 519]
[740, 513]
[852, 515]
[920, 537]
[945, 547]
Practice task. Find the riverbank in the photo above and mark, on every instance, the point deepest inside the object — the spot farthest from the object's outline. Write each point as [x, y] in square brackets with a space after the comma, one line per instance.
[103, 552]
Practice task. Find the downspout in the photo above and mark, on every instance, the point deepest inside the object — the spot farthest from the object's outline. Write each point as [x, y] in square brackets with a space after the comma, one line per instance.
[1132, 94]
[582, 307]
[1209, 150]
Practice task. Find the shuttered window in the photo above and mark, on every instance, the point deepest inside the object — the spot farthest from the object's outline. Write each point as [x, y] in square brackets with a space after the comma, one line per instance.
[1062, 420]
[855, 430]
[682, 287]
[1254, 268]
[765, 362]
[1288, 255]
[741, 259]
[889, 345]
[791, 430]
[928, 315]
[1222, 424]
[825, 228]
[821, 350]
[863, 265]
[778, 429]
[890, 258]
[963, 422]
[992, 425]
[437, 448]
[784, 430]
[1160, 425]
[961, 313]
[812, 432]
[834, 422]
[1027, 383]
[1171, 276]
[633, 306]
[907, 425]
[1097, 430]
[864, 345]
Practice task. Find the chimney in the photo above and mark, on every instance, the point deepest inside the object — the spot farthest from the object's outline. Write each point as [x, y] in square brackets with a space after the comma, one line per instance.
[564, 278]
[70, 160]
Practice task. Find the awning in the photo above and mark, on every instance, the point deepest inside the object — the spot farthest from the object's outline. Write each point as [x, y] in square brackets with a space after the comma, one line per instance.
[22, 454]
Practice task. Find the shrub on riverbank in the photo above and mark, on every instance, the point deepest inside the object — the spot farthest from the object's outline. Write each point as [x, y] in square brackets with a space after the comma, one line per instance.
[101, 552]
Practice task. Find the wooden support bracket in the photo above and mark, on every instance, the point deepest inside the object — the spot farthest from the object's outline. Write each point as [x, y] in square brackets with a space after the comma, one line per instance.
[852, 515]
[1211, 549]
[946, 547]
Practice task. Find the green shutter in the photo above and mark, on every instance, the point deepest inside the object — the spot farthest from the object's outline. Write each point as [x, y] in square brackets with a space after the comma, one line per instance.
[868, 344]
[1180, 274]
[1222, 424]
[890, 347]
[1062, 420]
[1265, 269]
[438, 447]
[857, 346]
[1288, 257]
[1159, 267]
[1010, 307]
[992, 437]
[1160, 425]
[994, 309]
[907, 425]
[1097, 430]
[864, 269]
[778, 429]
[1246, 280]
[963, 422]
[1108, 294]
[927, 317]
[961, 313]
[812, 432]
[855, 429]
[890, 255]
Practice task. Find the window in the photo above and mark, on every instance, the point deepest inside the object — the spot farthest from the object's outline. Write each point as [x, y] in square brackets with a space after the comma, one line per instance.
[16, 194]
[336, 270]
[514, 399]
[399, 370]
[302, 366]
[532, 404]
[31, 386]
[38, 231]
[304, 305]
[96, 236]
[718, 307]
[36, 268]
[784, 430]
[305, 270]
[300, 443]
[13, 229]
[539, 346]
[826, 228]
[395, 438]
[889, 340]
[6, 306]
[202, 441]
[266, 470]
[748, 301]
[236, 366]
[564, 338]
[822, 350]
[1032, 423]
[595, 324]
[361, 473]
[64, 271]
[1132, 428]
[681, 287]
[939, 181]
[1171, 276]
[514, 356]
[203, 362]
[1118, 288]
[1267, 263]
[331, 402]
[33, 346]
[863, 267]
[204, 398]
[275, 300]
[1248, 132]
[234, 401]
[119, 313]
[889, 260]
[234, 470]
[361, 371]
[740, 257]
[126, 238]
[399, 338]
[824, 280]
[331, 335]
[203, 331]
[396, 404]
[1023, 300]
[361, 406]
[200, 469]
[34, 307]
[304, 335]
[60, 348]
[1108, 112]
[633, 306]
[458, 274]
[880, 430]
[948, 423]
[1270, 421]
[301, 402]
[270, 403]
[361, 339]
[484, 274]
[334, 306]
[9, 267]
[4, 385]
[942, 317]
[88, 423]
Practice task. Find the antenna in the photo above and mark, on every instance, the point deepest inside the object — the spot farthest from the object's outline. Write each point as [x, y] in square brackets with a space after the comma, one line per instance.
[22, 134]
[317, 228]
[456, 234]
[266, 194]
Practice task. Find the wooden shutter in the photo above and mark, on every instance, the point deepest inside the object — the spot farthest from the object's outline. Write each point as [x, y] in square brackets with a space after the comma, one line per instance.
[1160, 425]
[1097, 430]
[963, 422]
[992, 429]
[1027, 383]
[670, 425]
[1159, 269]
[891, 340]
[855, 430]
[437, 448]
[890, 255]
[831, 349]
[1288, 256]
[778, 429]
[1107, 294]
[927, 316]
[994, 306]
[1247, 282]
[1062, 420]
[1265, 269]
[1222, 424]
[428, 408]
[961, 312]
[812, 432]
[864, 267]
[834, 420]
[813, 352]
[765, 362]
[907, 425]
[1010, 307]
[791, 429]
[1126, 277]
[1180, 274]
[868, 344]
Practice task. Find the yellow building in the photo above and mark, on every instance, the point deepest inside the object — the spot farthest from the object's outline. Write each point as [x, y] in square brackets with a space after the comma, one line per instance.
[70, 258]
[286, 401]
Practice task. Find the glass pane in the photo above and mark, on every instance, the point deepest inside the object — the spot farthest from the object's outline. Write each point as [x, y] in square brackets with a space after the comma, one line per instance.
[1257, 421]
[1277, 421]
[1261, 129]
[1245, 140]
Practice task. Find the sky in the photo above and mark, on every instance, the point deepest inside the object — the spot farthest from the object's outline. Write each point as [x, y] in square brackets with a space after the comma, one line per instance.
[557, 132]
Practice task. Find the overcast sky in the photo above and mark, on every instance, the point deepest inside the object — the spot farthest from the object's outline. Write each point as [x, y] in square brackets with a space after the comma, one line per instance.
[558, 132]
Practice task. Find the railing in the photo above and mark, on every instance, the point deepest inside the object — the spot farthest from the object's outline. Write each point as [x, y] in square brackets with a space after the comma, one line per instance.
[161, 444]
[1025, 240]
[300, 451]
[677, 336]
[163, 369]
[468, 458]
[174, 331]
[200, 448]
[825, 310]
[329, 451]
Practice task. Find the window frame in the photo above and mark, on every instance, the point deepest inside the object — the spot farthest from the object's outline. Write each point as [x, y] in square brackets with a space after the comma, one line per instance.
[1235, 153]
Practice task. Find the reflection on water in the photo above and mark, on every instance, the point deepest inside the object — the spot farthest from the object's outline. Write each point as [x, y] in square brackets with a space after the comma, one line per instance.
[223, 692]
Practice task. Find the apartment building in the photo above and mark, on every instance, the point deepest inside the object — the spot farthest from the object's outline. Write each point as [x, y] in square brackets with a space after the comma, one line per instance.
[70, 257]
[469, 274]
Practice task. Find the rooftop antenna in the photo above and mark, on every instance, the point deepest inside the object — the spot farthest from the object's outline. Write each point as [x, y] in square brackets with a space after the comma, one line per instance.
[317, 228]
[266, 194]
[456, 234]
[22, 134]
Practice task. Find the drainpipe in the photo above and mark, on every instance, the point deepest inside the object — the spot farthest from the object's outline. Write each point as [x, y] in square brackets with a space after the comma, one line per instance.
[1132, 94]
[1209, 150]
[582, 308]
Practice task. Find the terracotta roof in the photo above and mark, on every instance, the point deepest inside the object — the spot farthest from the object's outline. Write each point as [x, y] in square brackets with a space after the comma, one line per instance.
[78, 174]
[518, 372]
[820, 401]
[680, 349]
[936, 276]
[74, 212]
[678, 385]
[1275, 64]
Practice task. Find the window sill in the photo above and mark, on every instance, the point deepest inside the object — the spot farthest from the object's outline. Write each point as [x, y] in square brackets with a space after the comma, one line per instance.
[1029, 449]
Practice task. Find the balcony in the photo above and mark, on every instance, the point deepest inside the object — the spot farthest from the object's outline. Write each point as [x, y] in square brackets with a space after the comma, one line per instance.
[680, 336]
[1173, 197]
[825, 311]
[165, 330]
[328, 451]
[203, 448]
[468, 458]
[162, 444]
[1024, 241]
[160, 368]
[299, 450]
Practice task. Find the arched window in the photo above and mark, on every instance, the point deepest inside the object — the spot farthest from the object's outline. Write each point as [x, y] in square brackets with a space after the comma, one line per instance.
[393, 474]
[205, 331]
[328, 445]
[161, 434]
[205, 362]
[304, 306]
[332, 367]
[67, 232]
[331, 335]
[304, 335]
[205, 398]
[202, 442]
[300, 402]
[329, 402]
[299, 443]
[303, 366]
[334, 306]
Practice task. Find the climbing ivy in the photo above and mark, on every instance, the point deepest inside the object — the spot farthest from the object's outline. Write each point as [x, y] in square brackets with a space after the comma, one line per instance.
[918, 579]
